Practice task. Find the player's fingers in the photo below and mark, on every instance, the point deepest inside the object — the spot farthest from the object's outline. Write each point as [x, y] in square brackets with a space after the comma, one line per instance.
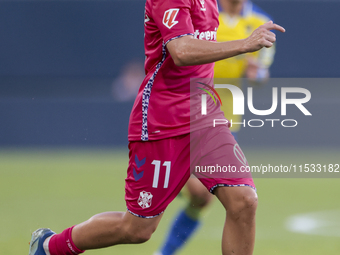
[272, 26]
[267, 44]
[279, 28]
[270, 37]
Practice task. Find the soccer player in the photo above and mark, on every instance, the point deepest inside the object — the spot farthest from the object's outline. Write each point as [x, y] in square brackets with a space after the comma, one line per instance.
[165, 135]
[237, 20]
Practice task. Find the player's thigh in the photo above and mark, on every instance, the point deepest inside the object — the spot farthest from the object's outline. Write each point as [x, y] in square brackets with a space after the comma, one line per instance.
[157, 172]
[222, 162]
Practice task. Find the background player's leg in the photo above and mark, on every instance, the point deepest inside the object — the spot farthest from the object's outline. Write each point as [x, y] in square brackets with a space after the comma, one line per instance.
[110, 228]
[187, 221]
[200, 197]
[239, 229]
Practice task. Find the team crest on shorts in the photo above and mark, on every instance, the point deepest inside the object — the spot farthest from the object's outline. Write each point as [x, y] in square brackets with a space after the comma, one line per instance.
[145, 199]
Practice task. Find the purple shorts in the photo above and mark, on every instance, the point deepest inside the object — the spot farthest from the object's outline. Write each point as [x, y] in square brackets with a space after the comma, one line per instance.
[159, 169]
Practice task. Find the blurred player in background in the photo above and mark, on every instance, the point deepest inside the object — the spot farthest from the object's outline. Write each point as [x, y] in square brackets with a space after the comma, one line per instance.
[180, 44]
[237, 20]
[125, 87]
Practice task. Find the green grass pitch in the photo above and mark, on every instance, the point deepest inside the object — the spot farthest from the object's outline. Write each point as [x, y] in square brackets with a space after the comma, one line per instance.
[58, 188]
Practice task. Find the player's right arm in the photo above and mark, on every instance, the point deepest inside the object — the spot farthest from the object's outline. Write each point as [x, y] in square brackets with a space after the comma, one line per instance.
[188, 51]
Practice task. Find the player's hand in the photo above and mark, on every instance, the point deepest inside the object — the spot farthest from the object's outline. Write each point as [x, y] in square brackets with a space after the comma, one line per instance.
[262, 37]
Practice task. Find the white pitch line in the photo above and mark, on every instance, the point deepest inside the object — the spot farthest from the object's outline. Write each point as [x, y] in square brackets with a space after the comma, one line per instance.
[323, 223]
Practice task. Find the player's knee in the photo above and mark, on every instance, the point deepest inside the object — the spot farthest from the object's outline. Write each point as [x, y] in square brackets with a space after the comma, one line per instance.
[244, 207]
[250, 202]
[139, 235]
[247, 206]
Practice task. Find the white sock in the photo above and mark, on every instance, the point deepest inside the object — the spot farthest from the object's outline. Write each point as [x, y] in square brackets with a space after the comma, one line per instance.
[45, 245]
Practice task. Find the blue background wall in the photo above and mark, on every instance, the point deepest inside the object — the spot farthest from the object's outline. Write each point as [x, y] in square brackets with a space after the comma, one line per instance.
[94, 37]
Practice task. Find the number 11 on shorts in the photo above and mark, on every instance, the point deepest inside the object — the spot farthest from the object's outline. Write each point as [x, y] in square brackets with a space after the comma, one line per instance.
[157, 164]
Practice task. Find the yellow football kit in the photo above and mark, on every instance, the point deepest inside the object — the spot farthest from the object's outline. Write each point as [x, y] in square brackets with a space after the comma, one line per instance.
[229, 71]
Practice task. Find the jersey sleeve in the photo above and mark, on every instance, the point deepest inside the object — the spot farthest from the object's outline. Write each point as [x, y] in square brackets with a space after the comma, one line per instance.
[173, 18]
